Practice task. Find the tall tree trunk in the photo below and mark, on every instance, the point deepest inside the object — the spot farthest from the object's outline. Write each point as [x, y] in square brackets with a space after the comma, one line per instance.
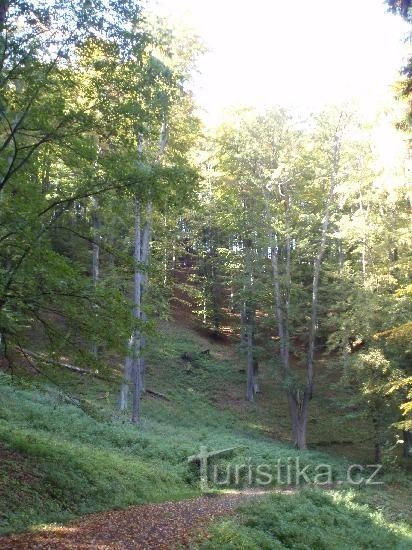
[280, 318]
[297, 403]
[299, 407]
[317, 263]
[135, 365]
[251, 380]
[127, 377]
[141, 257]
[146, 236]
[243, 326]
[134, 358]
[249, 320]
[95, 254]
[256, 384]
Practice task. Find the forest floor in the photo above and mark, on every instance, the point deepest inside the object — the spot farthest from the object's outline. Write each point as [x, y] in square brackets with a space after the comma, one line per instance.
[68, 455]
[160, 526]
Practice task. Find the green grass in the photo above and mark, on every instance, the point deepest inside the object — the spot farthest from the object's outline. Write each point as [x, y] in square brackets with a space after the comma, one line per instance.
[61, 462]
[310, 519]
[65, 451]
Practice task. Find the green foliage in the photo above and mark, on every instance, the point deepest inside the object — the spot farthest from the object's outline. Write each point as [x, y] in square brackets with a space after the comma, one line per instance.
[69, 155]
[310, 519]
[63, 462]
[67, 452]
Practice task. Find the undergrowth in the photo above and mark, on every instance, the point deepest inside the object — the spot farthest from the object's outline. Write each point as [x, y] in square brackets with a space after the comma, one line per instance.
[66, 451]
[306, 520]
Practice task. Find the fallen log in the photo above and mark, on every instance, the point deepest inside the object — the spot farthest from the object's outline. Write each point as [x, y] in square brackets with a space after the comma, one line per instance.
[68, 366]
[158, 395]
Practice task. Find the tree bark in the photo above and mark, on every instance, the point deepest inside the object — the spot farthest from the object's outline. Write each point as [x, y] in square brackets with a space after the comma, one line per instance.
[134, 359]
[283, 344]
[135, 365]
[252, 371]
[298, 403]
[132, 367]
[256, 375]
[95, 254]
[127, 375]
[249, 312]
[317, 263]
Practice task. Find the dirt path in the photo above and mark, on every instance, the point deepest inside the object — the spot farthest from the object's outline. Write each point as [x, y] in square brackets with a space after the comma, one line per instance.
[160, 526]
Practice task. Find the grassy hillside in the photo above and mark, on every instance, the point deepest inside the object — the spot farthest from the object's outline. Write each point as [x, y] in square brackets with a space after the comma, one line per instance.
[310, 519]
[65, 451]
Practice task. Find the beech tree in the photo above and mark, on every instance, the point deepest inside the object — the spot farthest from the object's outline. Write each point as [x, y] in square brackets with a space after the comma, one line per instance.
[282, 186]
[75, 106]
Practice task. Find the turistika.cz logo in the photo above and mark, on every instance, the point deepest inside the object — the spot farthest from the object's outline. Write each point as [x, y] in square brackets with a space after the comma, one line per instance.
[287, 471]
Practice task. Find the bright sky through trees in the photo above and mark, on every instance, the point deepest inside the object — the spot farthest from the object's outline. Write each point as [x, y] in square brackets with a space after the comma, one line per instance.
[299, 54]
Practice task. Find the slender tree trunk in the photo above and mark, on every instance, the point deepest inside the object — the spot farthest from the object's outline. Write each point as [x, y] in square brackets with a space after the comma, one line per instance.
[204, 311]
[165, 251]
[317, 263]
[127, 376]
[95, 254]
[135, 365]
[251, 381]
[146, 236]
[256, 375]
[250, 389]
[283, 344]
[249, 320]
[134, 359]
[243, 326]
[297, 404]
[132, 367]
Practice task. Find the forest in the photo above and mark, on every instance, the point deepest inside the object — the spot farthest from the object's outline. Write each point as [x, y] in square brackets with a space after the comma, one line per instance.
[205, 330]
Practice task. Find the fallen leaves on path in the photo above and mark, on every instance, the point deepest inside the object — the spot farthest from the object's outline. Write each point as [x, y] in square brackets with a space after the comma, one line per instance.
[160, 526]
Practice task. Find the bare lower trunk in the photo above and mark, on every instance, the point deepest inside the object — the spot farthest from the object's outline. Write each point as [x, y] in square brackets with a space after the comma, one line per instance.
[136, 382]
[299, 411]
[298, 404]
[250, 381]
[124, 394]
[127, 377]
[131, 374]
[256, 375]
[135, 365]
[243, 326]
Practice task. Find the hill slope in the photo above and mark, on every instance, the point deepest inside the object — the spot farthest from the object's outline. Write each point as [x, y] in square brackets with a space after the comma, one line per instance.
[66, 452]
